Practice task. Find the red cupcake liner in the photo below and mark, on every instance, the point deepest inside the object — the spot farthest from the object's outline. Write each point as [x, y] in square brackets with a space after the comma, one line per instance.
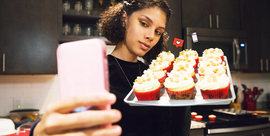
[162, 80]
[147, 95]
[197, 61]
[169, 68]
[180, 95]
[215, 94]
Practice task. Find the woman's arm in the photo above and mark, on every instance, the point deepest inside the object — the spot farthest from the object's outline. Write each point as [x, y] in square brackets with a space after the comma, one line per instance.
[58, 120]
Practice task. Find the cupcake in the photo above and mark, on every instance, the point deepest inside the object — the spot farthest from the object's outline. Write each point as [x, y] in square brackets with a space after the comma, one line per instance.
[213, 51]
[214, 86]
[179, 86]
[146, 89]
[183, 60]
[211, 58]
[160, 75]
[184, 69]
[190, 54]
[164, 61]
[210, 67]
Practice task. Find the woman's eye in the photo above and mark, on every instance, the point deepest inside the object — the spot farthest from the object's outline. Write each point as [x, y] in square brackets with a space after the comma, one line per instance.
[143, 23]
[158, 33]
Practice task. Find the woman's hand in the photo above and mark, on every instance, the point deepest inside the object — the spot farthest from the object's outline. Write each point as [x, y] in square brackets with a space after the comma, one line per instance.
[58, 121]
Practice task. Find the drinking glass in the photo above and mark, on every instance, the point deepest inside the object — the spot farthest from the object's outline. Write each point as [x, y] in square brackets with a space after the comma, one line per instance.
[66, 6]
[78, 6]
[89, 6]
[66, 29]
[88, 31]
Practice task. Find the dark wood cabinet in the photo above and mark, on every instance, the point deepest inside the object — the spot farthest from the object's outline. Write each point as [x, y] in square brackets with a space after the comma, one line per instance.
[256, 23]
[71, 18]
[217, 14]
[28, 33]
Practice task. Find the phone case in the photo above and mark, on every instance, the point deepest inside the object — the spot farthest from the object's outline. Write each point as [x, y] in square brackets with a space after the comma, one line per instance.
[82, 68]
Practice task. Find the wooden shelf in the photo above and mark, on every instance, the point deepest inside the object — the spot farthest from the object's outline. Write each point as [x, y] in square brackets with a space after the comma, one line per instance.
[70, 38]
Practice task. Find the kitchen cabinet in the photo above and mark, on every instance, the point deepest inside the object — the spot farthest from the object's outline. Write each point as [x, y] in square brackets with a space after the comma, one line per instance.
[256, 24]
[77, 23]
[216, 14]
[28, 33]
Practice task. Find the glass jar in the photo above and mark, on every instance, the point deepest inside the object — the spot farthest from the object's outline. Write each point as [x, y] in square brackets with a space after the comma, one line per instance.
[66, 29]
[66, 6]
[88, 31]
[77, 29]
[78, 6]
[89, 6]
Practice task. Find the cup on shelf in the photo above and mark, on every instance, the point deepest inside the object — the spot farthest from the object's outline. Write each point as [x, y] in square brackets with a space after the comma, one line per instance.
[78, 7]
[88, 31]
[77, 29]
[89, 6]
[66, 29]
[66, 6]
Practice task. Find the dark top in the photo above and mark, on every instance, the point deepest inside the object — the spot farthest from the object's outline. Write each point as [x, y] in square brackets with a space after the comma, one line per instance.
[143, 120]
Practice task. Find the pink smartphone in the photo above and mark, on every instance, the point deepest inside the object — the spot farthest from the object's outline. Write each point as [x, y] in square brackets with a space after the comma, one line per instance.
[82, 69]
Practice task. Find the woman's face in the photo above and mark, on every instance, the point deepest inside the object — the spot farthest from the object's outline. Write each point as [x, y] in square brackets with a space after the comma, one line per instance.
[144, 29]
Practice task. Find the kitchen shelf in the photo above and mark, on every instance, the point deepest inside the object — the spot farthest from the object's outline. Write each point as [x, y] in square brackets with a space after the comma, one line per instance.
[71, 38]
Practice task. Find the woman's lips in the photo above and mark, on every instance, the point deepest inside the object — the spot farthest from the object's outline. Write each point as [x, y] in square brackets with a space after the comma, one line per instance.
[144, 46]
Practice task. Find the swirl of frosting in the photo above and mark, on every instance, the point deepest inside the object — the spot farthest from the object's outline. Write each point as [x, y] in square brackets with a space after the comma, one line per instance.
[185, 68]
[213, 81]
[183, 60]
[209, 60]
[146, 85]
[188, 53]
[213, 51]
[178, 82]
[153, 73]
[159, 64]
[219, 69]
[166, 56]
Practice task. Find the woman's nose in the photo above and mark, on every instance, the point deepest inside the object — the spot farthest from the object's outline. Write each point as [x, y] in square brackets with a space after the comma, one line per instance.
[150, 36]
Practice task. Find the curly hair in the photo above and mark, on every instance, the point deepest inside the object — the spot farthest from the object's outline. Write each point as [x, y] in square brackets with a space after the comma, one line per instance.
[111, 20]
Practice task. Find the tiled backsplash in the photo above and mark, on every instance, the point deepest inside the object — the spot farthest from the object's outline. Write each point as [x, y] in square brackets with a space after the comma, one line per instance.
[37, 91]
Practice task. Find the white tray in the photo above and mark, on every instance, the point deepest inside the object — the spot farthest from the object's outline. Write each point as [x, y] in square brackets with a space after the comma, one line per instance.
[197, 97]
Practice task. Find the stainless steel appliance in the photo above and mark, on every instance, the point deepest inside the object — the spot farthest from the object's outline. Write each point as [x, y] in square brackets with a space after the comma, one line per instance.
[232, 42]
[234, 122]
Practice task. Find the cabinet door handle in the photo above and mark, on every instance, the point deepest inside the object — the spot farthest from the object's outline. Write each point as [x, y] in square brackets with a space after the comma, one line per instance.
[210, 20]
[266, 63]
[261, 65]
[4, 62]
[217, 21]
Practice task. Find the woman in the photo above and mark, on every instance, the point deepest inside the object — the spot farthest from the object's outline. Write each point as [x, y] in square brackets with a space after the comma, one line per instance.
[138, 29]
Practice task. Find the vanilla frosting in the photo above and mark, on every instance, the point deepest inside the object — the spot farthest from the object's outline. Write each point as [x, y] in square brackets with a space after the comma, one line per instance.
[188, 53]
[184, 68]
[219, 69]
[213, 81]
[166, 56]
[213, 51]
[152, 73]
[178, 82]
[183, 60]
[148, 84]
[213, 60]
[159, 64]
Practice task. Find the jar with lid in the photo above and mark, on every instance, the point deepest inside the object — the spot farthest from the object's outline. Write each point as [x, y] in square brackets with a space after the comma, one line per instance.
[66, 6]
[66, 29]
[78, 7]
[77, 29]
[89, 6]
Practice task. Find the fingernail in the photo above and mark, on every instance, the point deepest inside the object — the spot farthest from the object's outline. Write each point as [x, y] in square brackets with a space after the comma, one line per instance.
[117, 115]
[111, 97]
[117, 130]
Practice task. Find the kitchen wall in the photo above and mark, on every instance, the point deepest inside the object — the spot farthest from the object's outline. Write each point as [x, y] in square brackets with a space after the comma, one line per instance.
[37, 91]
